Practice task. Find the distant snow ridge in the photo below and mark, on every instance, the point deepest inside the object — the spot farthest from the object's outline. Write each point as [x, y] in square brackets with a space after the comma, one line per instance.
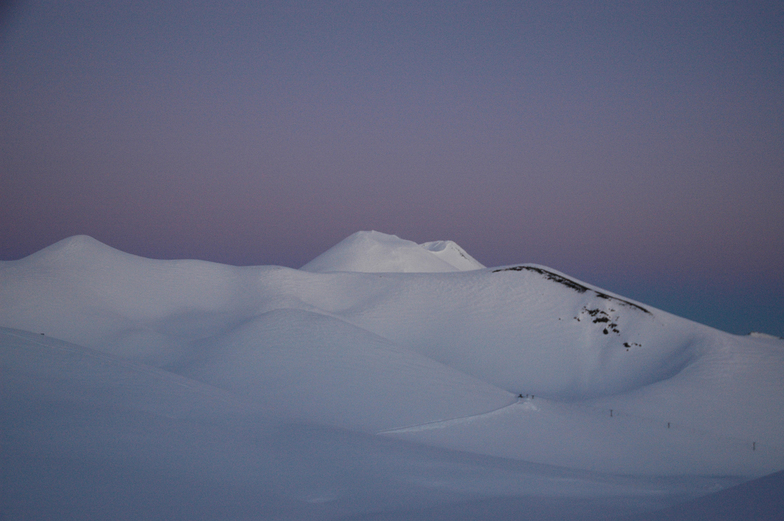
[376, 252]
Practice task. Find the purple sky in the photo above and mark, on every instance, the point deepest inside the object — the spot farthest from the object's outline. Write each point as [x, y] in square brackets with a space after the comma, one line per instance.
[636, 145]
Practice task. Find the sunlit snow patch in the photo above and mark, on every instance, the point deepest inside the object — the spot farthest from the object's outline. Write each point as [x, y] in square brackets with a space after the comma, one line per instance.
[375, 252]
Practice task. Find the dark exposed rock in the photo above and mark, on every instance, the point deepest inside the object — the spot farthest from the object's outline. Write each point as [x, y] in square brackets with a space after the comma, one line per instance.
[569, 283]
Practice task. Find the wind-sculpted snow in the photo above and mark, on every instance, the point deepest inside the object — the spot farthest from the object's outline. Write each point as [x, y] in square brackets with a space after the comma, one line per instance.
[348, 389]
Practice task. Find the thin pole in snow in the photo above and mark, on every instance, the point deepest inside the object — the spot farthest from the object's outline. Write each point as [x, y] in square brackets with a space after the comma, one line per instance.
[610, 413]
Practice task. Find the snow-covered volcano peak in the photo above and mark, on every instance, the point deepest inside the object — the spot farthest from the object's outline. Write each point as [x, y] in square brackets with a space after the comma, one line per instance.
[375, 252]
[452, 253]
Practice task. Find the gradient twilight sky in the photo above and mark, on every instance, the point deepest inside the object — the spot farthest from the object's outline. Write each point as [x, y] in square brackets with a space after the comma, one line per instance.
[636, 145]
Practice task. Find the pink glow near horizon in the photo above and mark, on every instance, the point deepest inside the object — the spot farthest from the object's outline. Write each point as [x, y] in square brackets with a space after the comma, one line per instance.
[640, 140]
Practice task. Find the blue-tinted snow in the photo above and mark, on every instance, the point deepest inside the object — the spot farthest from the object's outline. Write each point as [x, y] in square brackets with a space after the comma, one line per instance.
[134, 388]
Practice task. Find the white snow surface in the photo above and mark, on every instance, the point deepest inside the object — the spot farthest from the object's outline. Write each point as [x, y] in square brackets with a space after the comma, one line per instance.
[450, 252]
[376, 252]
[383, 380]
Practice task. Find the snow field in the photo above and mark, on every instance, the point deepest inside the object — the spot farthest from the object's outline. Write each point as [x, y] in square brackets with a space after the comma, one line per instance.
[382, 378]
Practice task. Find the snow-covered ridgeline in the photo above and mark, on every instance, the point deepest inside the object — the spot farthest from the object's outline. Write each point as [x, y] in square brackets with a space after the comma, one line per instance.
[420, 342]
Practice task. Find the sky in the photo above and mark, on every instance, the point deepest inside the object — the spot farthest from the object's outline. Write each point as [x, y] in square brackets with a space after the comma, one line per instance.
[638, 146]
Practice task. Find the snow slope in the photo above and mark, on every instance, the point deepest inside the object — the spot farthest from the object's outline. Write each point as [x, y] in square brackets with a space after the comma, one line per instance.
[384, 379]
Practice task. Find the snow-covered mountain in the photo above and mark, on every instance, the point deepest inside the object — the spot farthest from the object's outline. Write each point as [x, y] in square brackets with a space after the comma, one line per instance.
[374, 252]
[383, 380]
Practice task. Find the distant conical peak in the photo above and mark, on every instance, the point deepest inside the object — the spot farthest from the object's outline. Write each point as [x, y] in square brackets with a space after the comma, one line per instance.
[373, 251]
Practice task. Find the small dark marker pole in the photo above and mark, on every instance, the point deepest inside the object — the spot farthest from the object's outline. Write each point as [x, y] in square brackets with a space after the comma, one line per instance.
[668, 425]
[753, 445]
[610, 413]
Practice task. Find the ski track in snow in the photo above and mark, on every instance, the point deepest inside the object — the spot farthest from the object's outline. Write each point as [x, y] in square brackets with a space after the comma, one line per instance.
[528, 405]
[438, 424]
